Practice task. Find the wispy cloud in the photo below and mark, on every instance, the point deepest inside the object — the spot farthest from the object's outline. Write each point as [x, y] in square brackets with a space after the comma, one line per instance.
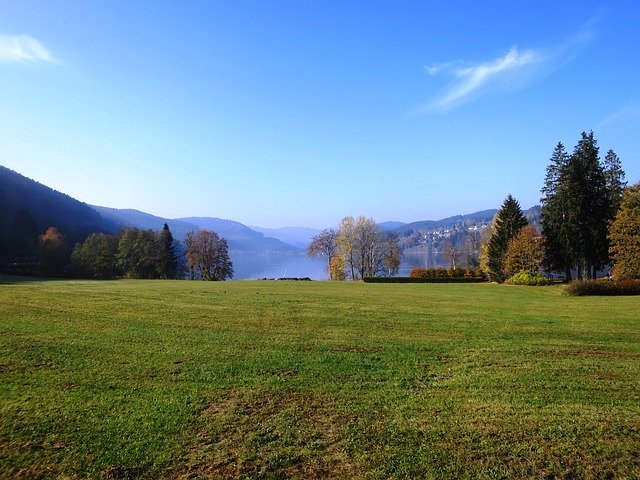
[23, 48]
[625, 116]
[513, 70]
[472, 78]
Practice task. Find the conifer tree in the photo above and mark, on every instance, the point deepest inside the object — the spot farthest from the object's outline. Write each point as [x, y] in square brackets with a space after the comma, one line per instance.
[509, 221]
[579, 200]
[593, 210]
[168, 263]
[615, 178]
[559, 253]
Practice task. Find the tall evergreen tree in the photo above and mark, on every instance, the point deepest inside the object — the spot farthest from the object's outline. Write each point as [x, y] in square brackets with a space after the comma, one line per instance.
[509, 221]
[556, 228]
[579, 198]
[615, 178]
[593, 206]
[167, 263]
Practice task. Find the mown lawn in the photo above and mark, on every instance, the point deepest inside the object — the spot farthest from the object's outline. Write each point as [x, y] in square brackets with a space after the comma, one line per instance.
[168, 379]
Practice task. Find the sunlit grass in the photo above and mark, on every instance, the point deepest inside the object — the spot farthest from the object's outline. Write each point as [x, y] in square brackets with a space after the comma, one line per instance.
[168, 379]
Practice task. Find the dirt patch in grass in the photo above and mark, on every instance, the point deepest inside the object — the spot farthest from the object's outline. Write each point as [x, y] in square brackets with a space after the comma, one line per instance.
[117, 472]
[9, 367]
[268, 435]
[30, 473]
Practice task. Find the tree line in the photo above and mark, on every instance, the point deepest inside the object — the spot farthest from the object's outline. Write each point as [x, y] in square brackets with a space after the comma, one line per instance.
[136, 253]
[590, 221]
[358, 249]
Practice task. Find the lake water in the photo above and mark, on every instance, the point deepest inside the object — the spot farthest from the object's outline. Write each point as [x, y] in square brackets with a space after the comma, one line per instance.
[251, 267]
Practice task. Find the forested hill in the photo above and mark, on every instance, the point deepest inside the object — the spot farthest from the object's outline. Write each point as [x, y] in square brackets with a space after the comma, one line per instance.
[483, 217]
[462, 232]
[466, 221]
[28, 208]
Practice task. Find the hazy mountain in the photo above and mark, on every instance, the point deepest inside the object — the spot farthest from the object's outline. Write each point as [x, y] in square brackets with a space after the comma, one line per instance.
[241, 237]
[137, 219]
[238, 236]
[297, 236]
[388, 226]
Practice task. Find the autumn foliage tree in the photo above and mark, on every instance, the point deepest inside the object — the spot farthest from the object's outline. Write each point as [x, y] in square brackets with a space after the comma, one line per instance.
[52, 252]
[336, 268]
[366, 250]
[624, 236]
[525, 252]
[324, 245]
[392, 255]
[208, 256]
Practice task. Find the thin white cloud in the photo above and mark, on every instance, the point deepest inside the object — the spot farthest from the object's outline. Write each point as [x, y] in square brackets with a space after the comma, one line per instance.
[511, 71]
[23, 48]
[625, 116]
[474, 77]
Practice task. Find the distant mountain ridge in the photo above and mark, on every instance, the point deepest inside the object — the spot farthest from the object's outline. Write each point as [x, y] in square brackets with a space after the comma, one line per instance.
[299, 237]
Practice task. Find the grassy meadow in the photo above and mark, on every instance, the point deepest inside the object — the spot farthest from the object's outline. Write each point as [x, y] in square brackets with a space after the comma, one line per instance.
[188, 380]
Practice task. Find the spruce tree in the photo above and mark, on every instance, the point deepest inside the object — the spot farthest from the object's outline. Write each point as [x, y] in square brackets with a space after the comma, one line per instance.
[580, 197]
[168, 263]
[556, 229]
[615, 178]
[509, 221]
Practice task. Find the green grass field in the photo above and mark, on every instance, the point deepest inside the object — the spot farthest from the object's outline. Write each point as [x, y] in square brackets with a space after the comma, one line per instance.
[168, 379]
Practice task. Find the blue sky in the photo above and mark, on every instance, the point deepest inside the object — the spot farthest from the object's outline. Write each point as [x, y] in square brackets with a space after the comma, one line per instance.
[277, 113]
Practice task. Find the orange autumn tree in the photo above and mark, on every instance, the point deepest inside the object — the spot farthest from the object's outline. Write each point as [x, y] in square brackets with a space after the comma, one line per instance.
[52, 252]
[525, 252]
[624, 235]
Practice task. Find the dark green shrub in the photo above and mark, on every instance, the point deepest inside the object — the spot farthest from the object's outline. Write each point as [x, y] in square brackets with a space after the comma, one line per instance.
[525, 277]
[603, 287]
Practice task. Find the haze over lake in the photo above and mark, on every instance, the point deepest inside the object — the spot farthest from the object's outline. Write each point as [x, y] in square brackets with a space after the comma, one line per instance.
[251, 267]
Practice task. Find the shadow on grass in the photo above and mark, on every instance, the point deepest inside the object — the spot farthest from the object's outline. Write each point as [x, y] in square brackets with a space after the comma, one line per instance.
[6, 279]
